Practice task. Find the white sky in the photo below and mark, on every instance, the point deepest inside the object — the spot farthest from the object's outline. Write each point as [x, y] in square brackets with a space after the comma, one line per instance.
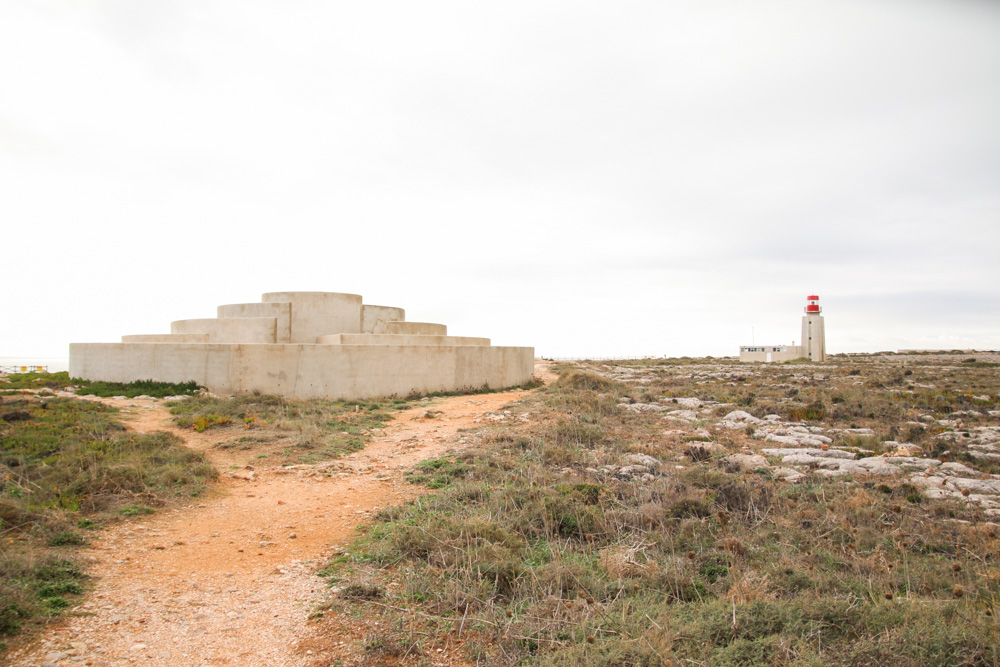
[588, 178]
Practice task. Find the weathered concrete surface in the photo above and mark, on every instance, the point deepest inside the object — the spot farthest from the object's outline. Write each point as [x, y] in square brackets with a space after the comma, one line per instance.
[243, 330]
[375, 318]
[398, 339]
[166, 338]
[308, 371]
[812, 343]
[418, 328]
[315, 314]
[308, 345]
[281, 312]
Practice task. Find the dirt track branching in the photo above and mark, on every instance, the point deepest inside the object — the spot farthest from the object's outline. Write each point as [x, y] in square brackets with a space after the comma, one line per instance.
[288, 431]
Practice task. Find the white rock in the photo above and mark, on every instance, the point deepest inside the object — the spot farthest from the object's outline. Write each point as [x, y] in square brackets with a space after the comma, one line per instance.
[957, 469]
[822, 453]
[688, 402]
[643, 460]
[739, 419]
[791, 438]
[710, 447]
[873, 465]
[746, 462]
[981, 486]
[788, 474]
[682, 415]
[643, 407]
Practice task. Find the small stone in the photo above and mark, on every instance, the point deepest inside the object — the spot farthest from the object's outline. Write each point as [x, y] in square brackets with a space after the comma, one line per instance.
[138, 647]
[642, 460]
[292, 536]
[746, 462]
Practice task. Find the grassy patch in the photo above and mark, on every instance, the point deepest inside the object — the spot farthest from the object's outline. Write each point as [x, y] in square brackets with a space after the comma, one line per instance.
[297, 431]
[138, 388]
[61, 380]
[550, 546]
[485, 389]
[438, 473]
[67, 465]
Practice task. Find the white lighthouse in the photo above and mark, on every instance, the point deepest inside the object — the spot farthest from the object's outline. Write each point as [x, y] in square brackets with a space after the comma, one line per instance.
[813, 343]
[813, 334]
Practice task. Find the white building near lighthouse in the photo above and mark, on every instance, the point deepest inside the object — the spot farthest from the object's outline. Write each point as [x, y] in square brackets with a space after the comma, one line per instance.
[813, 342]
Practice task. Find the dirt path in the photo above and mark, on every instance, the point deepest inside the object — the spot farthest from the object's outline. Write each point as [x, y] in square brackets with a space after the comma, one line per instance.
[231, 580]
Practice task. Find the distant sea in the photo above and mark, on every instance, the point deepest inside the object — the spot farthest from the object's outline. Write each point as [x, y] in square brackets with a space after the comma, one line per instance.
[54, 364]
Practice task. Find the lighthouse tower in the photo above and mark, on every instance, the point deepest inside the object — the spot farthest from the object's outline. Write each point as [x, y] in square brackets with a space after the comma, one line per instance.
[813, 333]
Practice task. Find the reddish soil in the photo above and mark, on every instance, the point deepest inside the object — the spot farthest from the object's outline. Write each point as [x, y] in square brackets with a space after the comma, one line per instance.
[232, 579]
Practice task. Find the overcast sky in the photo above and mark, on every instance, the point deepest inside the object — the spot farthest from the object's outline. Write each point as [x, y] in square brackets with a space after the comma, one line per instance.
[589, 178]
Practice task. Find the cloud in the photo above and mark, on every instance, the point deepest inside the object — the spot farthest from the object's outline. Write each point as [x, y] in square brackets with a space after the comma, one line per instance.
[648, 176]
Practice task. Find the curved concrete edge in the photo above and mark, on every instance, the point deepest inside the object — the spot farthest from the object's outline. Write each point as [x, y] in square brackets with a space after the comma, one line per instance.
[316, 314]
[166, 338]
[416, 328]
[280, 311]
[268, 297]
[238, 330]
[320, 371]
[398, 339]
[374, 318]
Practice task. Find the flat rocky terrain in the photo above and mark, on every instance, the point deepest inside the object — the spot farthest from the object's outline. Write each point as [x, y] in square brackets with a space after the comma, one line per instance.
[646, 512]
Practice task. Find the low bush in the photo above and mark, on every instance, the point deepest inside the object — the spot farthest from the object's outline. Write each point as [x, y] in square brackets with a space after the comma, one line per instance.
[308, 431]
[556, 555]
[70, 465]
[137, 388]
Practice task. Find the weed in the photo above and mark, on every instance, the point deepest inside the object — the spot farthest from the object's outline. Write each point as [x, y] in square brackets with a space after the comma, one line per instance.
[65, 537]
[64, 467]
[438, 473]
[136, 510]
[137, 388]
[554, 560]
[307, 431]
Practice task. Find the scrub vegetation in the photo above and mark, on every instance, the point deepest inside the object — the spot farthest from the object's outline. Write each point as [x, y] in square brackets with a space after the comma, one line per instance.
[67, 466]
[556, 541]
[62, 380]
[287, 431]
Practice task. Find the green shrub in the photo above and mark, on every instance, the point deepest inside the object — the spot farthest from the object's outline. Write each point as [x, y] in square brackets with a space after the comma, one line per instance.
[65, 466]
[137, 388]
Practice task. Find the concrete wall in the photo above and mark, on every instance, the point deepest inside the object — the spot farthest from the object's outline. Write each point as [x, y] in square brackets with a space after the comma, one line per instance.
[398, 339]
[315, 314]
[281, 312]
[374, 318]
[308, 371]
[770, 353]
[813, 337]
[166, 338]
[418, 328]
[243, 330]
[272, 347]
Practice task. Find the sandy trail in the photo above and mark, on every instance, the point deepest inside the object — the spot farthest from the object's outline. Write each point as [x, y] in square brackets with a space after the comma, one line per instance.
[231, 579]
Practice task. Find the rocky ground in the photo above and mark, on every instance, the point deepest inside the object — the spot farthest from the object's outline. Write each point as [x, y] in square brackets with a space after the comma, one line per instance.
[794, 450]
[232, 580]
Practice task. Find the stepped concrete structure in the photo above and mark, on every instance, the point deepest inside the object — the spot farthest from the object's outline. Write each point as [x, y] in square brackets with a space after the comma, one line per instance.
[307, 345]
[813, 345]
